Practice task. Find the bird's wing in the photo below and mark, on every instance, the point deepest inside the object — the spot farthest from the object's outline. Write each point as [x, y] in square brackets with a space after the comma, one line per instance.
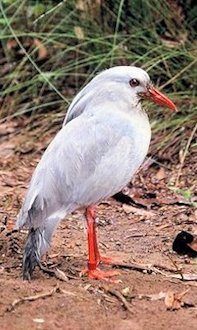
[78, 104]
[89, 159]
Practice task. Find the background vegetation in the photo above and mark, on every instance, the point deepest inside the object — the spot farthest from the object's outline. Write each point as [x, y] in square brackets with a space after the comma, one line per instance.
[50, 49]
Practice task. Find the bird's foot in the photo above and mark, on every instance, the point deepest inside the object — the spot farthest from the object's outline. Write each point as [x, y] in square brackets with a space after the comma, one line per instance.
[98, 274]
[107, 261]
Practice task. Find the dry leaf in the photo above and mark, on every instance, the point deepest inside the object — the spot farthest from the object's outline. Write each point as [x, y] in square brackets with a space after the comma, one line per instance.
[68, 293]
[8, 128]
[80, 5]
[166, 225]
[61, 275]
[125, 291]
[130, 209]
[11, 44]
[173, 301]
[179, 296]
[42, 51]
[161, 174]
[52, 256]
[79, 32]
[158, 296]
[146, 200]
[169, 299]
[7, 149]
[153, 297]
[171, 43]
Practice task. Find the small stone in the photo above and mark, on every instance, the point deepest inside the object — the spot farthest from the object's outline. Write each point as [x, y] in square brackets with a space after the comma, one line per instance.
[39, 321]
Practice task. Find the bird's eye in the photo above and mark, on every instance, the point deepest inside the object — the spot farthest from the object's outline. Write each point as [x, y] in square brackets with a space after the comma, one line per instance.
[134, 82]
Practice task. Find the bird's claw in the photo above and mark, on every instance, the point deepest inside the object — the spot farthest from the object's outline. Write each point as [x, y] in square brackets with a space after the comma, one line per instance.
[99, 274]
[106, 260]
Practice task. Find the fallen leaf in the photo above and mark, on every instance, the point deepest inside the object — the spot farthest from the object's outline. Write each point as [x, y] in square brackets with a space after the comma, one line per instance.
[79, 32]
[157, 296]
[61, 275]
[193, 246]
[11, 44]
[153, 297]
[169, 299]
[80, 5]
[5, 69]
[147, 200]
[68, 293]
[130, 209]
[42, 50]
[55, 255]
[86, 287]
[173, 301]
[171, 43]
[7, 128]
[180, 295]
[7, 149]
[166, 225]
[161, 174]
[125, 291]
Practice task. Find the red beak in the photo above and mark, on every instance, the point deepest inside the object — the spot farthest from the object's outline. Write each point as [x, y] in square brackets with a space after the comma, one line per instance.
[159, 98]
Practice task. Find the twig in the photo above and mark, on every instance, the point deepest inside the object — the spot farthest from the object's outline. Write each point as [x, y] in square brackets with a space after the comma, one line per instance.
[149, 268]
[118, 295]
[171, 270]
[175, 265]
[184, 277]
[60, 275]
[153, 269]
[18, 301]
[133, 266]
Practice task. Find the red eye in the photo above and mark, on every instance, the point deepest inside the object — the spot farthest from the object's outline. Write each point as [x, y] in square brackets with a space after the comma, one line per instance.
[134, 82]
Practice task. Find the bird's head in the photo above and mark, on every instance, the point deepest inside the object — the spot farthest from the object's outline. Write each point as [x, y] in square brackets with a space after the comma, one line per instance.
[127, 84]
[138, 84]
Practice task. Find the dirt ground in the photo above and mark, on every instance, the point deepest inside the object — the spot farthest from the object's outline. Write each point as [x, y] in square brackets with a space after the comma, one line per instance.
[155, 297]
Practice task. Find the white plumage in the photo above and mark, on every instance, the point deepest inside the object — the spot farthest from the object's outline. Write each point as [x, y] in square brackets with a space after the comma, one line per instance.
[103, 141]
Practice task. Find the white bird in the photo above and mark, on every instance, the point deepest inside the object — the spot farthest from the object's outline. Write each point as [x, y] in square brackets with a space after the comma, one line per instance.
[104, 140]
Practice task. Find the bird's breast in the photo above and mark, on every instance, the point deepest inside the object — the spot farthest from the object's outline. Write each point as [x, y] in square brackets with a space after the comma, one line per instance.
[139, 133]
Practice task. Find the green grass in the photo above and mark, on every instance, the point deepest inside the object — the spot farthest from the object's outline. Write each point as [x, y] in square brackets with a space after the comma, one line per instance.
[82, 40]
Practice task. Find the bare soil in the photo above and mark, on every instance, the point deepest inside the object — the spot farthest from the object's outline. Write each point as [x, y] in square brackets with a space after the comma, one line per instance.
[129, 234]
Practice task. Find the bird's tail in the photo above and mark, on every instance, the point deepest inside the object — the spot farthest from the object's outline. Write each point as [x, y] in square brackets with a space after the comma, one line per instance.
[35, 246]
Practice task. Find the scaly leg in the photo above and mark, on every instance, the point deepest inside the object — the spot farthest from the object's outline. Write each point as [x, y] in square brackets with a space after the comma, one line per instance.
[94, 256]
[99, 258]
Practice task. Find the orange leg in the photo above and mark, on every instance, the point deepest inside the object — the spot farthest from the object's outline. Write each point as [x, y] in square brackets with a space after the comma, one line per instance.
[94, 256]
[99, 259]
